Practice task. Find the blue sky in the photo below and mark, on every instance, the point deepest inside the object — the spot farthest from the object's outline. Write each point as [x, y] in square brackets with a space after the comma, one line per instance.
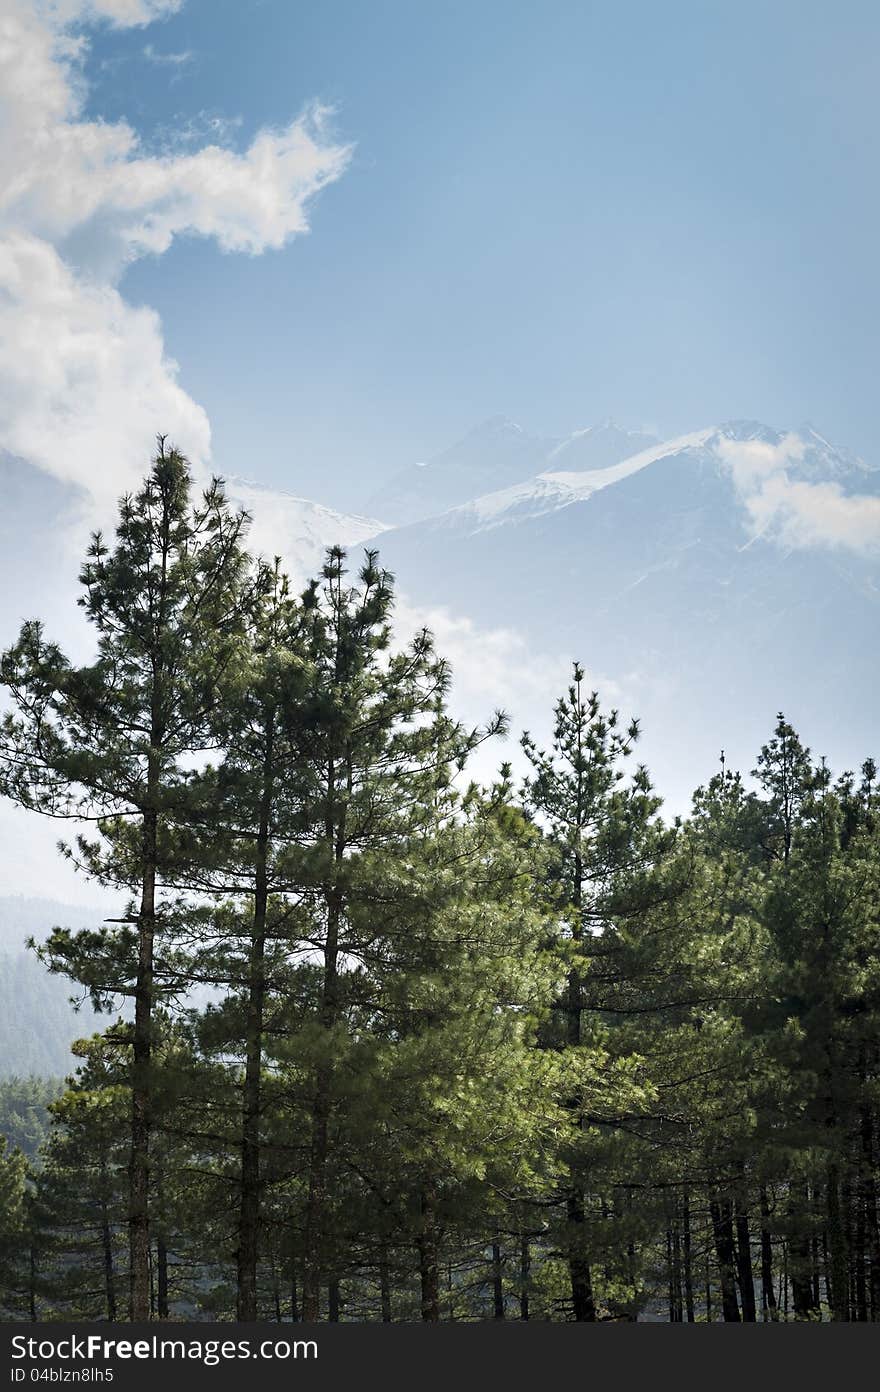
[663, 212]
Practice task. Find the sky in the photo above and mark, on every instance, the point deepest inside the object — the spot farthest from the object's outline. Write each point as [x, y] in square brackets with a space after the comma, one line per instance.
[558, 211]
[316, 242]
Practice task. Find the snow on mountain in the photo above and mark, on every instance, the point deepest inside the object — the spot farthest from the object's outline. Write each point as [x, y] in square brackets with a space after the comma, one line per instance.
[716, 578]
[496, 453]
[749, 452]
[495, 456]
[598, 447]
[559, 488]
[296, 529]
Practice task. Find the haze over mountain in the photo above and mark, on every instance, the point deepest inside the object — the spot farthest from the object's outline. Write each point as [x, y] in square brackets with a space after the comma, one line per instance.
[494, 455]
[38, 1022]
[296, 528]
[707, 582]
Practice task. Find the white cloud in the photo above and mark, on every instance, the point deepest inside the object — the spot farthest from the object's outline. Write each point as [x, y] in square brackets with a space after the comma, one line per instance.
[491, 667]
[794, 511]
[499, 669]
[85, 383]
[122, 13]
[815, 514]
[166, 59]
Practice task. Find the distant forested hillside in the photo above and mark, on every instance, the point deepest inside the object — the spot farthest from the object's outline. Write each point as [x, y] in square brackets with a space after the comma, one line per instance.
[24, 1112]
[37, 1020]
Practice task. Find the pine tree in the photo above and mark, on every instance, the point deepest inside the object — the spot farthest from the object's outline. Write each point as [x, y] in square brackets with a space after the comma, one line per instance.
[80, 1188]
[382, 749]
[15, 1297]
[599, 837]
[247, 938]
[107, 743]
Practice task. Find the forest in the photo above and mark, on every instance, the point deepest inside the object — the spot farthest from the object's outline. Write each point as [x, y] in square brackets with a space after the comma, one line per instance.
[386, 1043]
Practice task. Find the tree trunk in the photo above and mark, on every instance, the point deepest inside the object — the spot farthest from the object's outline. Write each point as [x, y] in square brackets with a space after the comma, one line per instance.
[333, 1301]
[800, 1268]
[837, 1270]
[314, 1236]
[859, 1283]
[384, 1286]
[107, 1247]
[525, 1264]
[673, 1272]
[688, 1258]
[321, 1106]
[817, 1279]
[139, 1164]
[497, 1284]
[316, 1197]
[583, 1305]
[578, 1267]
[32, 1284]
[251, 1195]
[768, 1295]
[744, 1265]
[872, 1227]
[161, 1279]
[428, 1257]
[722, 1227]
[579, 1272]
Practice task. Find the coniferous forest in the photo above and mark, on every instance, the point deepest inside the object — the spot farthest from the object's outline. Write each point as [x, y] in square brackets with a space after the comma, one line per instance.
[386, 1044]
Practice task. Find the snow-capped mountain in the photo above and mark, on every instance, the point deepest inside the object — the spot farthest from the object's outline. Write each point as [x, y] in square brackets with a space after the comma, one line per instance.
[559, 488]
[711, 580]
[496, 455]
[749, 452]
[295, 528]
[706, 581]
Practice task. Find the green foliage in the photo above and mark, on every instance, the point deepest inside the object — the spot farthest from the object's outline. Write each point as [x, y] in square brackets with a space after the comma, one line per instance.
[404, 1046]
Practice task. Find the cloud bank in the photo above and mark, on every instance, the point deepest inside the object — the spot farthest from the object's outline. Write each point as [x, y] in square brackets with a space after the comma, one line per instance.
[85, 381]
[793, 511]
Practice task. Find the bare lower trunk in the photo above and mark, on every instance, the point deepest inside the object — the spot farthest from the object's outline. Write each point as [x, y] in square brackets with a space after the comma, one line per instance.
[800, 1266]
[722, 1227]
[768, 1295]
[334, 832]
[429, 1275]
[744, 1265]
[384, 1287]
[497, 1283]
[525, 1263]
[673, 1272]
[872, 1227]
[688, 1257]
[316, 1197]
[139, 1163]
[315, 1205]
[107, 1249]
[583, 1305]
[838, 1263]
[161, 1279]
[251, 1192]
[32, 1284]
